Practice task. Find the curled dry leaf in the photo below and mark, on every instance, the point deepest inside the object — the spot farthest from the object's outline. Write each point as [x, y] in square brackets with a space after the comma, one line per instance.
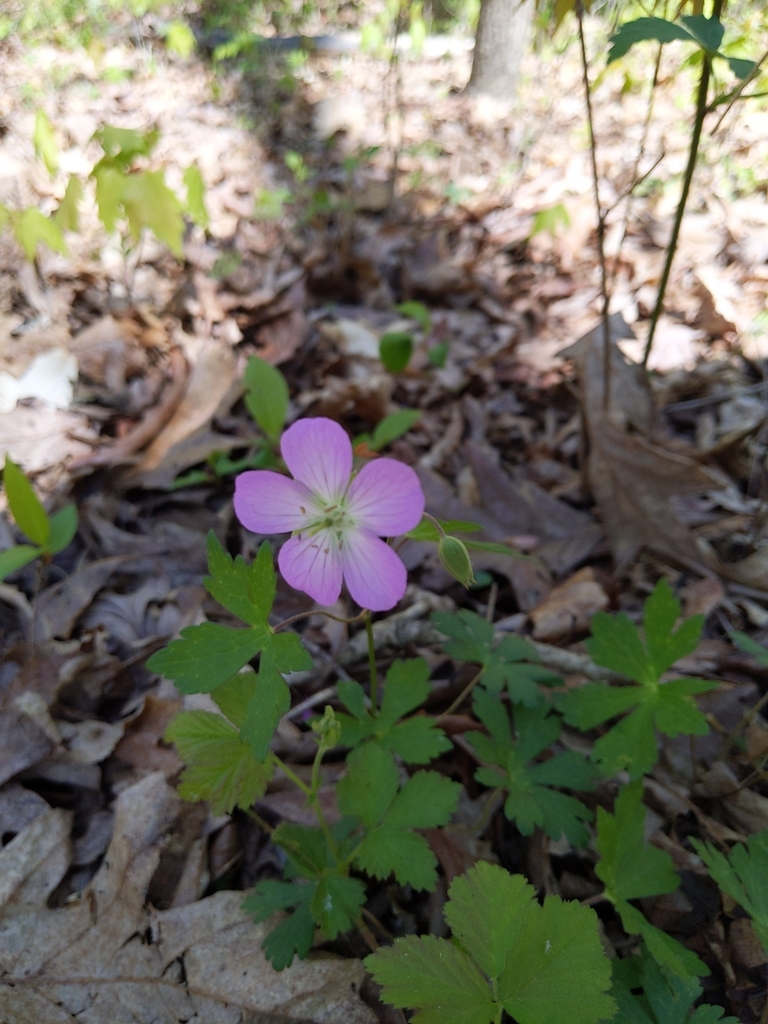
[108, 957]
[569, 608]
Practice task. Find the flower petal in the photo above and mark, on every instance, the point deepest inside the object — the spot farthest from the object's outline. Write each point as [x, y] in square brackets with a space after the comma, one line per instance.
[374, 573]
[319, 454]
[312, 563]
[268, 502]
[386, 498]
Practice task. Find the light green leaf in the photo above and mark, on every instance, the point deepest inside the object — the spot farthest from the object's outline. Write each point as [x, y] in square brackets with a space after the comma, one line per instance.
[629, 867]
[247, 591]
[180, 39]
[234, 696]
[267, 396]
[289, 653]
[15, 558]
[746, 644]
[207, 655]
[220, 767]
[31, 228]
[557, 971]
[193, 182]
[416, 311]
[149, 203]
[485, 911]
[125, 144]
[67, 217]
[395, 350]
[63, 529]
[434, 976]
[110, 185]
[26, 508]
[393, 426]
[45, 142]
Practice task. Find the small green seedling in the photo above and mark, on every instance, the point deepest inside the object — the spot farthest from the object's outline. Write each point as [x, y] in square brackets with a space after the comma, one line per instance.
[617, 644]
[632, 869]
[533, 796]
[49, 534]
[396, 425]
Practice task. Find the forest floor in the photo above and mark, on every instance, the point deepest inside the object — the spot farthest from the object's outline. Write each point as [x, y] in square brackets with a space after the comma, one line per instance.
[308, 250]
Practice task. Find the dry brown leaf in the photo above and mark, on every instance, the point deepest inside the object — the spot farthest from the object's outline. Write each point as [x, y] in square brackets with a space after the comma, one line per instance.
[569, 607]
[60, 606]
[632, 478]
[22, 743]
[108, 958]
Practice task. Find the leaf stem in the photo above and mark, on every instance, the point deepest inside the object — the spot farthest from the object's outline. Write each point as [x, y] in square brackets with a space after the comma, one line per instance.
[464, 693]
[269, 829]
[289, 773]
[311, 794]
[693, 152]
[372, 664]
[315, 611]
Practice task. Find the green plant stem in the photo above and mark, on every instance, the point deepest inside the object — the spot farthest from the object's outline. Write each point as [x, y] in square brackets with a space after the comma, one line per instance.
[698, 124]
[372, 665]
[259, 820]
[289, 773]
[579, 9]
[462, 696]
[305, 615]
[311, 795]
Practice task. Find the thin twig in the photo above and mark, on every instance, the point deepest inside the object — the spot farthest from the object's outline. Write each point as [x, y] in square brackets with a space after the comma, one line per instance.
[464, 693]
[600, 214]
[738, 92]
[698, 124]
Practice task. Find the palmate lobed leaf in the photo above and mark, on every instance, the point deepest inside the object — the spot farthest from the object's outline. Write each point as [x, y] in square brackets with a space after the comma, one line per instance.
[389, 850]
[546, 963]
[666, 951]
[208, 655]
[744, 876]
[220, 768]
[336, 903]
[247, 591]
[293, 936]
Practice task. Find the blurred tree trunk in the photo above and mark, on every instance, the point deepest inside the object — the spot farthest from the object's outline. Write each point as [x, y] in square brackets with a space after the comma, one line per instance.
[502, 38]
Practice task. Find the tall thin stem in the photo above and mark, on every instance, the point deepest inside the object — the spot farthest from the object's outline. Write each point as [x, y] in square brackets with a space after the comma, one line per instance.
[600, 214]
[701, 110]
[372, 665]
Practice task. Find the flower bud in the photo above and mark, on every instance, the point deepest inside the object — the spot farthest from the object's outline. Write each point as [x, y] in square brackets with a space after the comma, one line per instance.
[454, 558]
[328, 728]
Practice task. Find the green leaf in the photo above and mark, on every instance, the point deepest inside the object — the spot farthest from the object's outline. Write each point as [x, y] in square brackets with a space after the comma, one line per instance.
[26, 508]
[666, 951]
[45, 143]
[149, 203]
[393, 426]
[395, 350]
[247, 591]
[370, 785]
[640, 30]
[630, 745]
[471, 636]
[427, 800]
[193, 182]
[306, 847]
[207, 655]
[438, 354]
[742, 69]
[270, 701]
[180, 39]
[110, 185]
[485, 911]
[629, 867]
[67, 217]
[416, 311]
[336, 903]
[270, 895]
[666, 998]
[417, 740]
[749, 646]
[557, 971]
[616, 644]
[660, 613]
[743, 876]
[220, 767]
[125, 144]
[234, 696]
[387, 850]
[267, 396]
[406, 687]
[292, 936]
[675, 711]
[588, 706]
[63, 529]
[31, 227]
[708, 32]
[352, 696]
[530, 801]
[15, 558]
[434, 976]
[428, 531]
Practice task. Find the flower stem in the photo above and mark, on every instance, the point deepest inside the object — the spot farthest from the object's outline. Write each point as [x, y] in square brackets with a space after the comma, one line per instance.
[464, 693]
[372, 664]
[289, 773]
[311, 794]
[314, 611]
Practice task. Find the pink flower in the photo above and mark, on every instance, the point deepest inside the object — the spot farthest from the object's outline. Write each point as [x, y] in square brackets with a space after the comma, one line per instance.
[336, 518]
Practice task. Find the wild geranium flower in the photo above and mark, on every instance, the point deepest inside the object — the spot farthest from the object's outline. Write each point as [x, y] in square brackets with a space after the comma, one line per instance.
[336, 517]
